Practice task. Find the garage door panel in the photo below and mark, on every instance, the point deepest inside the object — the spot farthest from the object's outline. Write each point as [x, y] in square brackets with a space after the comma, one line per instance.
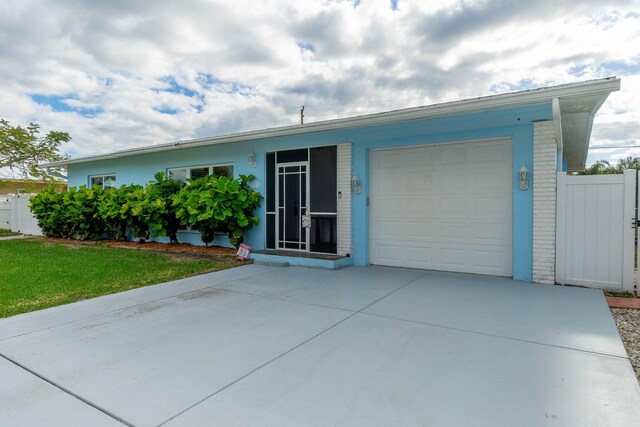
[417, 207]
[452, 206]
[452, 182]
[451, 231]
[493, 207]
[419, 256]
[419, 157]
[418, 230]
[387, 253]
[443, 207]
[492, 181]
[388, 160]
[419, 182]
[490, 233]
[391, 184]
[491, 154]
[389, 229]
[388, 206]
[451, 156]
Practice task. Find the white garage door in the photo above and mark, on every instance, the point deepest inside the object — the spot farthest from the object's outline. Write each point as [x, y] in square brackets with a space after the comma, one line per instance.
[443, 207]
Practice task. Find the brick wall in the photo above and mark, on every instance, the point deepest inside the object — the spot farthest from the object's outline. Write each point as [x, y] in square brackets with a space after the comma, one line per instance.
[344, 202]
[544, 202]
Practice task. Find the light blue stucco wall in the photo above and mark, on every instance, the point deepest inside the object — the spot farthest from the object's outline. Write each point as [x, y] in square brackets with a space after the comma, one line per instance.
[513, 123]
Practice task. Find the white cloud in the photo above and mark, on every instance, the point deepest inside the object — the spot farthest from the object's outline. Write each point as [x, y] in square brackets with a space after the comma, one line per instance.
[244, 64]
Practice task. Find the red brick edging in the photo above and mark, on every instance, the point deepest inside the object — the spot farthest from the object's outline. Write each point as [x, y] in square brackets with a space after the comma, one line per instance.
[618, 302]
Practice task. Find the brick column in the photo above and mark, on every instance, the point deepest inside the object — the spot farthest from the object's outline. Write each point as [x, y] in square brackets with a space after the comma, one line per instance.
[344, 203]
[544, 202]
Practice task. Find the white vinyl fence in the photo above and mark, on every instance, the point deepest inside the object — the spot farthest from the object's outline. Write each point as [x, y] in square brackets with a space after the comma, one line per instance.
[16, 215]
[595, 240]
[5, 212]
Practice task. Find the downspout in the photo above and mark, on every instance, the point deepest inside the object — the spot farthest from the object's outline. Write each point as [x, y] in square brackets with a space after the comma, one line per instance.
[557, 123]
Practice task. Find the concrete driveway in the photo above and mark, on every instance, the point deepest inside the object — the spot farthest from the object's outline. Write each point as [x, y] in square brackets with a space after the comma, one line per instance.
[268, 346]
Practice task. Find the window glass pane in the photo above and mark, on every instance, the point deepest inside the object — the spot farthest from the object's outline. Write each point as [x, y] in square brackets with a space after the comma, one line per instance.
[223, 171]
[323, 185]
[293, 156]
[96, 180]
[271, 182]
[110, 181]
[199, 172]
[178, 175]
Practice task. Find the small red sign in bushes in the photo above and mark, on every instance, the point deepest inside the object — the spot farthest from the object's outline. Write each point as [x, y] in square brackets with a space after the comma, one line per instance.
[243, 252]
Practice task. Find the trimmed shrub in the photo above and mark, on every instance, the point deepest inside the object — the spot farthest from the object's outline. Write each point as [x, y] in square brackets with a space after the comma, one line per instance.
[219, 204]
[72, 214]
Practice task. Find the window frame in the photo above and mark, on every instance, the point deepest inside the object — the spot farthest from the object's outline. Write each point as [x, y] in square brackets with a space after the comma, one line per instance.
[210, 166]
[103, 176]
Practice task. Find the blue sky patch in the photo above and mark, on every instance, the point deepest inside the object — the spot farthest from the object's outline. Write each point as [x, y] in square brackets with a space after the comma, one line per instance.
[394, 4]
[59, 105]
[166, 110]
[306, 46]
[620, 68]
[174, 87]
[207, 80]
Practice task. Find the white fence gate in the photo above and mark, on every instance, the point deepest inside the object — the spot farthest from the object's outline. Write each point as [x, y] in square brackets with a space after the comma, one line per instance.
[596, 229]
[5, 212]
[20, 218]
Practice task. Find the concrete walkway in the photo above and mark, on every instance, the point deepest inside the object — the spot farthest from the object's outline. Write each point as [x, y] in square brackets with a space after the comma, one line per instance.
[268, 346]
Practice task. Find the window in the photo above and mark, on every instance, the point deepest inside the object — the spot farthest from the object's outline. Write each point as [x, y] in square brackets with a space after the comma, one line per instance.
[195, 172]
[104, 181]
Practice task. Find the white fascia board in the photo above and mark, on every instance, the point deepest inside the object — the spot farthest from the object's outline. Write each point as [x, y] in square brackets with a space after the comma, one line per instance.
[514, 99]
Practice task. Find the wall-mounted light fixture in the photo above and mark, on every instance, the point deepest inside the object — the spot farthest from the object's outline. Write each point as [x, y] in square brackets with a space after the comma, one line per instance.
[251, 157]
[524, 177]
[355, 184]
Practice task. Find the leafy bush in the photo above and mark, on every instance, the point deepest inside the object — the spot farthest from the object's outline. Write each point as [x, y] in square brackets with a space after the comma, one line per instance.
[109, 210]
[46, 206]
[161, 191]
[72, 214]
[219, 204]
[210, 204]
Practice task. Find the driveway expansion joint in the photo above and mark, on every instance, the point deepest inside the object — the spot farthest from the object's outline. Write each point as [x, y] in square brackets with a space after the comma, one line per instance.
[67, 391]
[353, 313]
[504, 337]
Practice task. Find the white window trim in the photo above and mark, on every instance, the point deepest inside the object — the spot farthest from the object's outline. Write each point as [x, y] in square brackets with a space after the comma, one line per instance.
[103, 176]
[210, 166]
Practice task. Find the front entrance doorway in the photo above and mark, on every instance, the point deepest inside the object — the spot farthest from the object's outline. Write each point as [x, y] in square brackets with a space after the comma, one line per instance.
[302, 200]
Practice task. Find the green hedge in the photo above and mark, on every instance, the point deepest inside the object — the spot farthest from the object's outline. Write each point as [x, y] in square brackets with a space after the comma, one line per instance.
[210, 204]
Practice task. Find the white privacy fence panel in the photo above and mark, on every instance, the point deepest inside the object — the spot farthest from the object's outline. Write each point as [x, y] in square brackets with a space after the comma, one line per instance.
[595, 240]
[5, 212]
[21, 219]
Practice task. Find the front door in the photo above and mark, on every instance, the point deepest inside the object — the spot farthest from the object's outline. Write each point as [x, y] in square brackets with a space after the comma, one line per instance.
[292, 196]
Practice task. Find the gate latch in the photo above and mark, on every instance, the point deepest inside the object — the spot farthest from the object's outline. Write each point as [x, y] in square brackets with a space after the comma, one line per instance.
[635, 222]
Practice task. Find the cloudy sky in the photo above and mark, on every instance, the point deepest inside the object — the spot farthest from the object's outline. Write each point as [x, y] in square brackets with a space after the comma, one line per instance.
[118, 74]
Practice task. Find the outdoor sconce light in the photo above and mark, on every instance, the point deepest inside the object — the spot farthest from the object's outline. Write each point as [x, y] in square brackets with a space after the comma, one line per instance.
[524, 177]
[252, 159]
[355, 184]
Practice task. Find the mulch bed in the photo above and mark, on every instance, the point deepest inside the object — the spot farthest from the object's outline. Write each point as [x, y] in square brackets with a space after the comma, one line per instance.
[184, 250]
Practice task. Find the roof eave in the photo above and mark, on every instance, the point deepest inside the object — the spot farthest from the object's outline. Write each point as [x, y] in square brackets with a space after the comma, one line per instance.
[521, 98]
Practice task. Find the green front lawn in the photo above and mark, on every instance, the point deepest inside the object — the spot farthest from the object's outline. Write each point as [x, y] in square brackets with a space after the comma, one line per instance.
[5, 232]
[36, 275]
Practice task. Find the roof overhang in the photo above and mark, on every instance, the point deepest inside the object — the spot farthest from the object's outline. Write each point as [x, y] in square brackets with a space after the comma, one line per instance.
[577, 112]
[578, 104]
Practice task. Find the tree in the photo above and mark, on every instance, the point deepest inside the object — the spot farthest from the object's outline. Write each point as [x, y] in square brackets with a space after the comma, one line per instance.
[603, 167]
[21, 149]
